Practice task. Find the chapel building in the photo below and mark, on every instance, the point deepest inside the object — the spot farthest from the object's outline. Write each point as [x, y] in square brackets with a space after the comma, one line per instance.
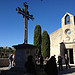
[62, 41]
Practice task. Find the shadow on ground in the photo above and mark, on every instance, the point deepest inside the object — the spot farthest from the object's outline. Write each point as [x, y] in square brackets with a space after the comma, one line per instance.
[40, 71]
[70, 71]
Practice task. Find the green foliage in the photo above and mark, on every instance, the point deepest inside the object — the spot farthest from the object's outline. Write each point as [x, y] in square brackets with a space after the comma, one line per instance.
[37, 38]
[45, 45]
[4, 53]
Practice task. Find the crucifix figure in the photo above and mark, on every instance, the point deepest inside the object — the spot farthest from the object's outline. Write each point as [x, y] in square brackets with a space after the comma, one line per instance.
[26, 17]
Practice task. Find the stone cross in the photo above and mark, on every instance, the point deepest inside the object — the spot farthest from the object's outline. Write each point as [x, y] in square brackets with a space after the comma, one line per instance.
[26, 17]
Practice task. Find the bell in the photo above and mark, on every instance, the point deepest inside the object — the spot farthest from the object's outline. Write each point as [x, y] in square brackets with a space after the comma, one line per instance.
[67, 19]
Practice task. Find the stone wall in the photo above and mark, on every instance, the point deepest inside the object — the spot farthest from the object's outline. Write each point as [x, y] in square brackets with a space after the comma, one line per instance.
[4, 62]
[55, 40]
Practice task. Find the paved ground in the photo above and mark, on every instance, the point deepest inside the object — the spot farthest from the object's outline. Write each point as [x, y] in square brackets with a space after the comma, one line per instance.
[3, 68]
[70, 71]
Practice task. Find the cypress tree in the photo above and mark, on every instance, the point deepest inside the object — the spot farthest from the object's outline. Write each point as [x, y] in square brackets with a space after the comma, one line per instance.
[45, 45]
[37, 38]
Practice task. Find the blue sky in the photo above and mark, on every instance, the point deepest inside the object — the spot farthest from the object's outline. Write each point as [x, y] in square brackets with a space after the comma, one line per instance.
[47, 14]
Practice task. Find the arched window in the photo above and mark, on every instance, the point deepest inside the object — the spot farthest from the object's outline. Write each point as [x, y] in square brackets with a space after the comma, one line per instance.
[67, 19]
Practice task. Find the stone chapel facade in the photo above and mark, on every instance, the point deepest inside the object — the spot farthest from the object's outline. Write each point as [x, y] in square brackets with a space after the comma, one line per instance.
[62, 41]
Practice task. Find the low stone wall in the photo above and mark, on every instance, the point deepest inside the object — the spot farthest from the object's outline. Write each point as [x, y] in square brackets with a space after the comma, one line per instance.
[4, 62]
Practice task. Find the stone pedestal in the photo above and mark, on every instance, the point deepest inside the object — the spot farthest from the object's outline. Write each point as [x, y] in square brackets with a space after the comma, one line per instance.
[21, 54]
